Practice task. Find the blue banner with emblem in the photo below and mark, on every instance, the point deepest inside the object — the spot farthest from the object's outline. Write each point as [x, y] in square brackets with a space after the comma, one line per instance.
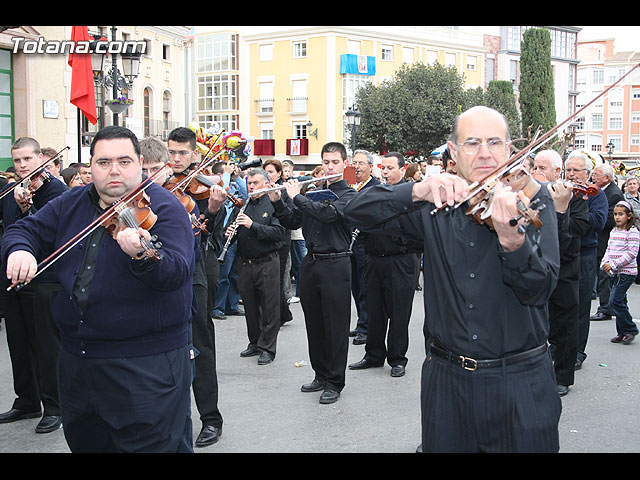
[358, 64]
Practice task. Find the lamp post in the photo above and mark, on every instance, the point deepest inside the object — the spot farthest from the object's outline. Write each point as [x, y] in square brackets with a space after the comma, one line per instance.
[353, 119]
[610, 148]
[113, 78]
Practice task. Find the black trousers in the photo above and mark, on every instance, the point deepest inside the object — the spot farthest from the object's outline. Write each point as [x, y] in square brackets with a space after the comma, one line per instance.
[563, 329]
[508, 409]
[389, 285]
[205, 382]
[285, 312]
[325, 296]
[139, 404]
[260, 291]
[34, 345]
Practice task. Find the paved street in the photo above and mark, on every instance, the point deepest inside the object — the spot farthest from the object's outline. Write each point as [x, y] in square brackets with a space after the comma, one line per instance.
[264, 410]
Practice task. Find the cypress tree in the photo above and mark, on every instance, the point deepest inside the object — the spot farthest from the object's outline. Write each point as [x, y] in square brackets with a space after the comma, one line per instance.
[537, 99]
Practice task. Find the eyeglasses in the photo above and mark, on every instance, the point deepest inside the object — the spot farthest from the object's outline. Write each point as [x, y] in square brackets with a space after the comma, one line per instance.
[181, 153]
[471, 147]
[107, 164]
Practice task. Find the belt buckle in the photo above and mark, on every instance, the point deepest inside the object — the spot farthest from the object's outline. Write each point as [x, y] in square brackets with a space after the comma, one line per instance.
[468, 363]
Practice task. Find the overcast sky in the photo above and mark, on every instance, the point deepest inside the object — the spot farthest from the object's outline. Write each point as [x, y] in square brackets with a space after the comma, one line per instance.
[627, 37]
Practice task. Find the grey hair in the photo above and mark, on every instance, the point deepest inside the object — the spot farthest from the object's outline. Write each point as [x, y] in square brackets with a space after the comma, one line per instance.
[607, 170]
[586, 158]
[258, 171]
[554, 158]
[366, 153]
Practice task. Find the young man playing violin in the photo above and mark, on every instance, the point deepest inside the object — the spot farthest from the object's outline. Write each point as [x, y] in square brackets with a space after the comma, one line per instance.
[487, 380]
[32, 338]
[183, 155]
[124, 371]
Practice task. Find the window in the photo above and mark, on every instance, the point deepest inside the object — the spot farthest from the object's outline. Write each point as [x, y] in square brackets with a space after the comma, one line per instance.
[471, 62]
[300, 130]
[266, 52]
[615, 121]
[407, 55]
[6, 109]
[450, 60]
[387, 53]
[216, 92]
[299, 49]
[228, 122]
[351, 82]
[432, 57]
[635, 140]
[635, 94]
[617, 142]
[598, 76]
[266, 98]
[166, 52]
[216, 52]
[635, 117]
[266, 131]
[596, 121]
[166, 110]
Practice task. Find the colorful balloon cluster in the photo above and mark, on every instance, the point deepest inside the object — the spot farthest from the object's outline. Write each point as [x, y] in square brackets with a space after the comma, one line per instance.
[237, 147]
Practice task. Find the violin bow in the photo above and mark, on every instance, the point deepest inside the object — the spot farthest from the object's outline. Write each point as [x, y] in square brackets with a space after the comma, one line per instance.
[112, 210]
[32, 173]
[516, 160]
[206, 161]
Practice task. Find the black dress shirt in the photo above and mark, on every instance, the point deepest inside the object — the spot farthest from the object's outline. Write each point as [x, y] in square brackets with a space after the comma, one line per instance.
[324, 227]
[480, 300]
[265, 235]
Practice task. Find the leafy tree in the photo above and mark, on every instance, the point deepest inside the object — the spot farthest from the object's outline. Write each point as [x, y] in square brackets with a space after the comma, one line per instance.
[412, 113]
[537, 102]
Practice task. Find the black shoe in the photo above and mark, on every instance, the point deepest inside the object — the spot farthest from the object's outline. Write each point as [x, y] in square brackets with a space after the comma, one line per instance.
[219, 316]
[329, 396]
[352, 333]
[314, 386]
[49, 423]
[578, 365]
[251, 351]
[235, 312]
[364, 363]
[600, 316]
[360, 339]
[208, 436]
[15, 414]
[265, 357]
[562, 390]
[397, 371]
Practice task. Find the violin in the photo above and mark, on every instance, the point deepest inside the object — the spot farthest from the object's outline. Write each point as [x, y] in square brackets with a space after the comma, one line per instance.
[32, 184]
[139, 211]
[519, 179]
[588, 190]
[136, 213]
[481, 192]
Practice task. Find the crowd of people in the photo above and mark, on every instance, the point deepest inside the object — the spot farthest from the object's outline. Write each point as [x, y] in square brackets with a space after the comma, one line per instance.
[143, 262]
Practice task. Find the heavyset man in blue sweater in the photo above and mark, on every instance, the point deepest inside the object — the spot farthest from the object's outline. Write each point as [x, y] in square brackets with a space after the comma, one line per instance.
[124, 368]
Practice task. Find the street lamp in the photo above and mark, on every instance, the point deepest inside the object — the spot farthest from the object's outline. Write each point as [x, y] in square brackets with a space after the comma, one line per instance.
[610, 148]
[113, 78]
[353, 119]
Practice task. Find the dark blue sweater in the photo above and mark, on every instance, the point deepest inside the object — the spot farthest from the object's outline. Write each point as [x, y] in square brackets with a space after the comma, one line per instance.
[11, 213]
[133, 308]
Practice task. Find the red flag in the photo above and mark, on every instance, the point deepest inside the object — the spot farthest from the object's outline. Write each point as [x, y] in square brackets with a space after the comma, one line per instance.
[83, 94]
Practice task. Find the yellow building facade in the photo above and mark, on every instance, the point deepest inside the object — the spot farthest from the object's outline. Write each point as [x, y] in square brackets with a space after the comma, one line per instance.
[294, 84]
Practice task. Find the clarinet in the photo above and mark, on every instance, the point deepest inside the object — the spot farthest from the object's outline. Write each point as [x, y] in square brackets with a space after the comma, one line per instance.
[231, 237]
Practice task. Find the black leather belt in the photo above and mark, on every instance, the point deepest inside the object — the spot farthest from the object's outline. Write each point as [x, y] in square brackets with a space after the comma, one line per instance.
[253, 261]
[323, 256]
[472, 364]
